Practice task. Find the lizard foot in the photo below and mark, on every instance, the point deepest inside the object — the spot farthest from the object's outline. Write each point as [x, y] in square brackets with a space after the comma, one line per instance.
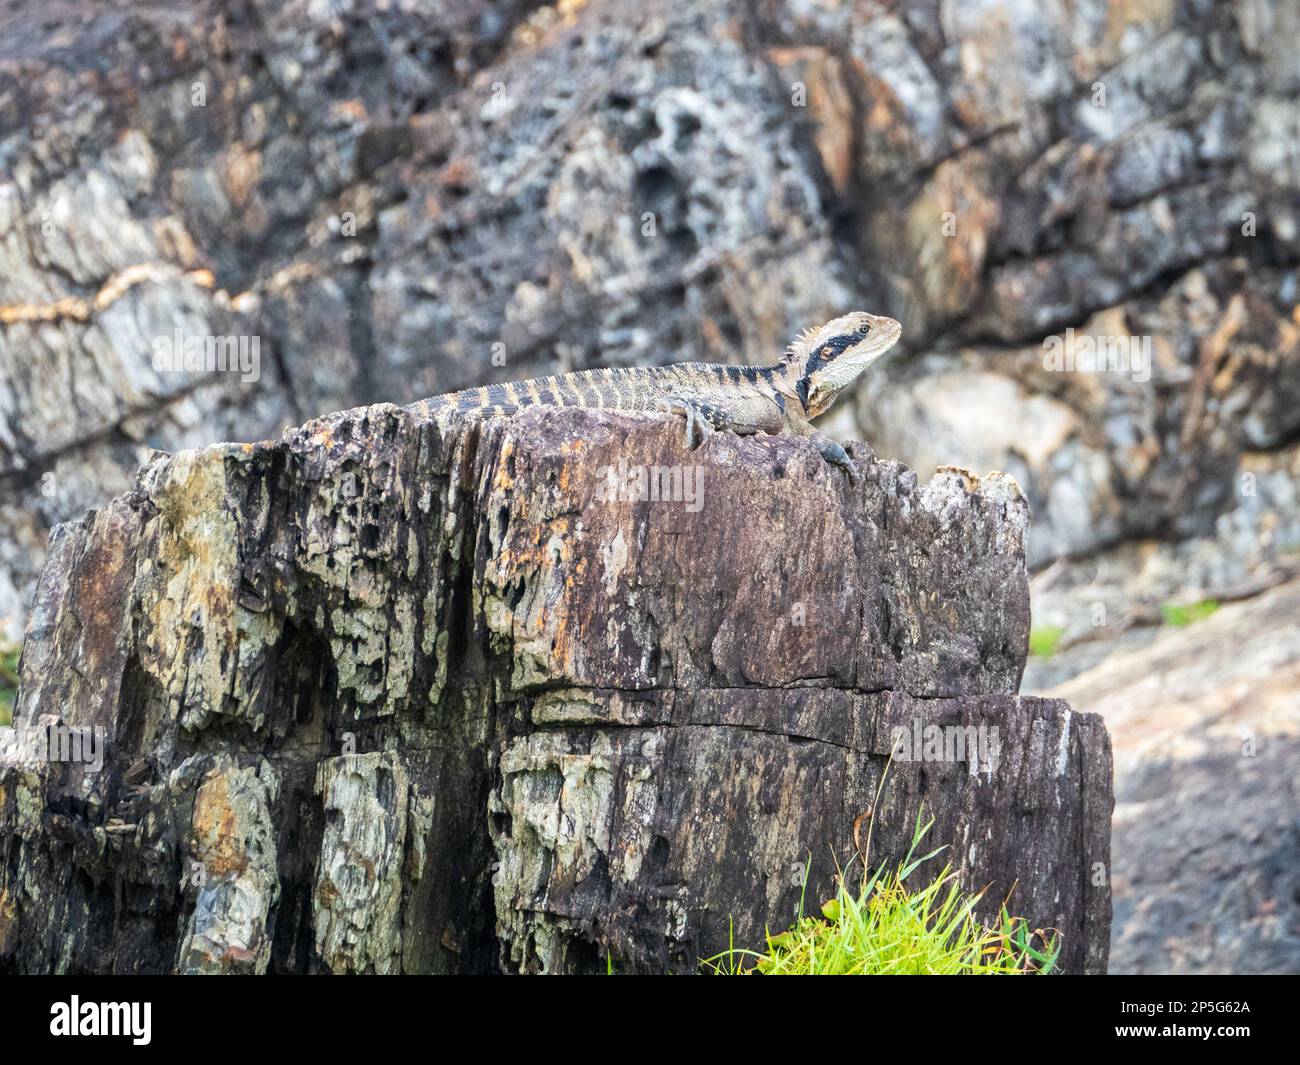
[836, 456]
[701, 420]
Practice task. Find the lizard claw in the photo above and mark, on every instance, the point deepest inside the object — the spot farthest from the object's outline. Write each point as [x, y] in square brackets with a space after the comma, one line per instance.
[837, 456]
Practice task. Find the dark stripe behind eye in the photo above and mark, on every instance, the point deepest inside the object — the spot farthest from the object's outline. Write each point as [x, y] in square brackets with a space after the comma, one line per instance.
[837, 344]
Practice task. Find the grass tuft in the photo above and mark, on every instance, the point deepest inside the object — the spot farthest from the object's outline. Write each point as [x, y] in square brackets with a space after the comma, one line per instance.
[881, 927]
[1043, 640]
[1182, 616]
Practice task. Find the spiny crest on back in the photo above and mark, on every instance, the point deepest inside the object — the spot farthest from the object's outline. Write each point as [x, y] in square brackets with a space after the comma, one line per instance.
[803, 343]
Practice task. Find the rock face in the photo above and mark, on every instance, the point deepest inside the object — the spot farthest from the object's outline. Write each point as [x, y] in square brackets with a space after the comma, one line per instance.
[401, 199]
[1207, 834]
[541, 694]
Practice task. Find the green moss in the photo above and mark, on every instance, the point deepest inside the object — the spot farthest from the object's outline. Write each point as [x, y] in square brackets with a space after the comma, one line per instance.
[8, 682]
[1044, 639]
[1182, 616]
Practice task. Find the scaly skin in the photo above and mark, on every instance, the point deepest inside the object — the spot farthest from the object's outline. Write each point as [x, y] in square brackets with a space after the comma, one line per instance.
[816, 368]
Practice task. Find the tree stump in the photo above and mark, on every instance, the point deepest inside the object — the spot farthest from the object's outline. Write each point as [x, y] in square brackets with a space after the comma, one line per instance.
[399, 693]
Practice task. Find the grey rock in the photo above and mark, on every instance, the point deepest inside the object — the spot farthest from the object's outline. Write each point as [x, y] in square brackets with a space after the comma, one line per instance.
[1206, 729]
[427, 695]
[402, 201]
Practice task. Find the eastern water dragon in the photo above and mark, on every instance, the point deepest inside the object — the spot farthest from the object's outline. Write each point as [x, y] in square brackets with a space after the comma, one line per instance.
[781, 398]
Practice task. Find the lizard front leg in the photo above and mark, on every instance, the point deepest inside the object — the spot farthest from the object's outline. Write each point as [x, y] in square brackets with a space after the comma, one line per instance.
[835, 455]
[828, 448]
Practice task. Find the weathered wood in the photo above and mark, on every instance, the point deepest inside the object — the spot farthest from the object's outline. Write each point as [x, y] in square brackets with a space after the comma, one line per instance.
[402, 694]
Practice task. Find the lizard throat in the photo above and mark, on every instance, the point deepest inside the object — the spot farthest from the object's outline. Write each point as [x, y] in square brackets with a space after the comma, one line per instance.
[819, 403]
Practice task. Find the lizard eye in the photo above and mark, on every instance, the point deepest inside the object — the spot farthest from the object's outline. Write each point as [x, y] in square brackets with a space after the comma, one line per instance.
[828, 353]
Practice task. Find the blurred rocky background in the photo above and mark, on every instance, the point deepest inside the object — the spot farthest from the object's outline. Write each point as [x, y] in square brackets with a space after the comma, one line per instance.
[401, 198]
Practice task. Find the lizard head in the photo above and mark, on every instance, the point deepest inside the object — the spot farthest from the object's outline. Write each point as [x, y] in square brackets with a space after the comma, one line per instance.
[825, 361]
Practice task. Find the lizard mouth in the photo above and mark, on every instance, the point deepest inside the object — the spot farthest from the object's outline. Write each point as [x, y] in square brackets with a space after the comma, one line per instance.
[889, 330]
[884, 335]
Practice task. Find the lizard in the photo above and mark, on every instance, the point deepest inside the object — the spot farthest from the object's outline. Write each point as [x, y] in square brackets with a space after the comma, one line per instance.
[816, 368]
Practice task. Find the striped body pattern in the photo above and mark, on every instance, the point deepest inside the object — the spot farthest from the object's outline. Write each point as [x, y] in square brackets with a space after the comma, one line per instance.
[627, 388]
